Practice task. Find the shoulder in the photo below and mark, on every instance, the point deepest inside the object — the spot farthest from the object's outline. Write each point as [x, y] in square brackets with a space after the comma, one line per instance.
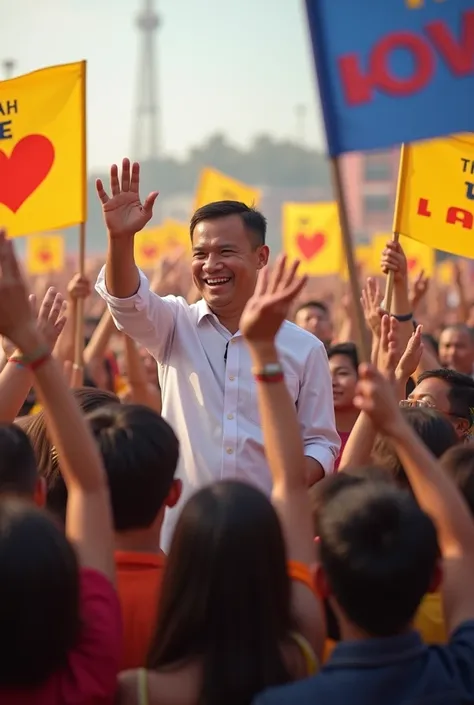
[303, 692]
[294, 340]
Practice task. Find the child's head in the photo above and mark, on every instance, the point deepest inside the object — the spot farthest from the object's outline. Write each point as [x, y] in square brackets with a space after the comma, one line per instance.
[39, 595]
[140, 454]
[379, 557]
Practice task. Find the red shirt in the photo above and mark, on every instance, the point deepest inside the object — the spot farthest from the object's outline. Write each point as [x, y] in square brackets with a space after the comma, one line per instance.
[344, 436]
[90, 677]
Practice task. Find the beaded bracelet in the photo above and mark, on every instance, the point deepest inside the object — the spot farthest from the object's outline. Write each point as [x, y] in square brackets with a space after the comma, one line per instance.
[32, 361]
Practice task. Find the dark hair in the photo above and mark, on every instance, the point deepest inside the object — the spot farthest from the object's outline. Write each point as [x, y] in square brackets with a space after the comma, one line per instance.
[140, 453]
[459, 463]
[47, 459]
[227, 545]
[433, 428]
[313, 304]
[461, 393]
[379, 552]
[349, 350]
[254, 221]
[460, 328]
[18, 471]
[39, 596]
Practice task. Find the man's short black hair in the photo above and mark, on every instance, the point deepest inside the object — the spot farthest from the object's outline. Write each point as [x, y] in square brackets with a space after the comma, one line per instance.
[313, 304]
[461, 393]
[254, 221]
[379, 553]
[18, 469]
[347, 349]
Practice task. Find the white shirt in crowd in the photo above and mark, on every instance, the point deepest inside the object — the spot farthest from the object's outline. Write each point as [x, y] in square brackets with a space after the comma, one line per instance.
[209, 395]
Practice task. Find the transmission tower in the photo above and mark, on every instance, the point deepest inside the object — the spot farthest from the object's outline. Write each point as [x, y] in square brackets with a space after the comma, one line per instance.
[146, 128]
[8, 67]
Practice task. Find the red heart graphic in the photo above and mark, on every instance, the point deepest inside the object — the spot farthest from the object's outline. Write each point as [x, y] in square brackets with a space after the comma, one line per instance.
[411, 264]
[45, 256]
[149, 251]
[310, 245]
[24, 170]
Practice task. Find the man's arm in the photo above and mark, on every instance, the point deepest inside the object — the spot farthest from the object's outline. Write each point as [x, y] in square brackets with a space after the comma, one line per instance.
[316, 416]
[144, 316]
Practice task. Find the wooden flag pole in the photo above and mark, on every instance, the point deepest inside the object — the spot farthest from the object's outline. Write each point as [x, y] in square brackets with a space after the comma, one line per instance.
[350, 258]
[401, 182]
[79, 322]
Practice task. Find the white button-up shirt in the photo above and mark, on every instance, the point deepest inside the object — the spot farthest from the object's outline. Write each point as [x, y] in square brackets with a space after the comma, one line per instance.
[209, 395]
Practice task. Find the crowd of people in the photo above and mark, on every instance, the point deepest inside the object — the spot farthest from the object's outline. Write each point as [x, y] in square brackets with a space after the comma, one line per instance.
[223, 505]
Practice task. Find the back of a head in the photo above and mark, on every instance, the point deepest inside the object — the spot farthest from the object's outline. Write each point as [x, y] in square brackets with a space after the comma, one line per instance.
[226, 582]
[379, 552]
[459, 463]
[140, 453]
[18, 471]
[434, 429]
[39, 596]
[47, 459]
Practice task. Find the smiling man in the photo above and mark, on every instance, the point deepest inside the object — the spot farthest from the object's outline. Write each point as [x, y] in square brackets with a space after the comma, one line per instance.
[207, 385]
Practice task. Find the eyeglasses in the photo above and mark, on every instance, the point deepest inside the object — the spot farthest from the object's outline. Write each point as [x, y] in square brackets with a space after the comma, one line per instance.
[425, 404]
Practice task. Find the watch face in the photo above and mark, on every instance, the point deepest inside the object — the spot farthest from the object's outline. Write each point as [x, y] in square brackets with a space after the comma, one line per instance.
[272, 369]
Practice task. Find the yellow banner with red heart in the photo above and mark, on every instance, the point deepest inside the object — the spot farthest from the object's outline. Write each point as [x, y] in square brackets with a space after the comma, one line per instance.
[312, 234]
[153, 243]
[420, 257]
[215, 186]
[44, 254]
[42, 150]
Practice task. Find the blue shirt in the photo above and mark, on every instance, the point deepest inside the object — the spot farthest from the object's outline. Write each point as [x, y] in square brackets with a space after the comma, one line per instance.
[390, 671]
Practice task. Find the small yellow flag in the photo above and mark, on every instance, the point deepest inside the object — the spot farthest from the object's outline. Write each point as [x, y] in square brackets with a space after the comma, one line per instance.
[311, 233]
[215, 186]
[148, 248]
[42, 150]
[176, 234]
[437, 194]
[419, 256]
[44, 254]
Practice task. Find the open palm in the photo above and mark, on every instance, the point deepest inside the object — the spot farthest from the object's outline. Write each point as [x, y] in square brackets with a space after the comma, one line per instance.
[267, 309]
[124, 213]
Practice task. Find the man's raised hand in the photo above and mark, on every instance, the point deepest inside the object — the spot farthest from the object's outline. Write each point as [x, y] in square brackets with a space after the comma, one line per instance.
[124, 213]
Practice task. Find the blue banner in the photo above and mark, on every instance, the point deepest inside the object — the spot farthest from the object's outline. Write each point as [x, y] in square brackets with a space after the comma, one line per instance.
[393, 71]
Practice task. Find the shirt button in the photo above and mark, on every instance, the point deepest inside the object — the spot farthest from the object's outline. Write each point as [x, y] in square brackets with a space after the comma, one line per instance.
[233, 340]
[231, 377]
[229, 451]
[230, 416]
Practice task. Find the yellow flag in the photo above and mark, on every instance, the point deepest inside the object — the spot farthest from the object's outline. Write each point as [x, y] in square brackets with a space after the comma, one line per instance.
[175, 235]
[437, 194]
[311, 233]
[42, 150]
[419, 256]
[44, 254]
[215, 186]
[148, 248]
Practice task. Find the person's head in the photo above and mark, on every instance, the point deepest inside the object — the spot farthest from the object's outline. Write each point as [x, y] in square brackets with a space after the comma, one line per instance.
[450, 392]
[459, 463]
[343, 364]
[140, 453]
[46, 456]
[226, 582]
[39, 596]
[378, 558]
[18, 472]
[434, 429]
[315, 317]
[456, 348]
[228, 241]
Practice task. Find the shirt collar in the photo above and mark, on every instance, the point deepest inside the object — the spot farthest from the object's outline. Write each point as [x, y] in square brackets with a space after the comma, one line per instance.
[383, 651]
[204, 311]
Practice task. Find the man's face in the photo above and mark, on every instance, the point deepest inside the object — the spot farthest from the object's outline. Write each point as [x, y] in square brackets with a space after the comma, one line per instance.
[225, 263]
[456, 350]
[316, 321]
[435, 394]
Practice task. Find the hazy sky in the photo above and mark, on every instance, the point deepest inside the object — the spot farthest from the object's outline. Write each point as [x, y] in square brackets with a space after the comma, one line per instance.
[241, 66]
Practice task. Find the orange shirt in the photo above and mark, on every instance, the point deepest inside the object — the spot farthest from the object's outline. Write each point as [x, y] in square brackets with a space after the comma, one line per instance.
[139, 577]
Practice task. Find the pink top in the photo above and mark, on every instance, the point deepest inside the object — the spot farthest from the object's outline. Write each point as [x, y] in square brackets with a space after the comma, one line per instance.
[90, 677]
[344, 436]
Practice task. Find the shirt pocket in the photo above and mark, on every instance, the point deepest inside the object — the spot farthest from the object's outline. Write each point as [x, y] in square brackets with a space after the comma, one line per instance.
[293, 384]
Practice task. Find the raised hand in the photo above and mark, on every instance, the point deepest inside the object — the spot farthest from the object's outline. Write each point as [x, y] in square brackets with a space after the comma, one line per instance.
[411, 358]
[124, 213]
[371, 300]
[394, 260]
[389, 351]
[375, 396]
[17, 322]
[267, 309]
[419, 290]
